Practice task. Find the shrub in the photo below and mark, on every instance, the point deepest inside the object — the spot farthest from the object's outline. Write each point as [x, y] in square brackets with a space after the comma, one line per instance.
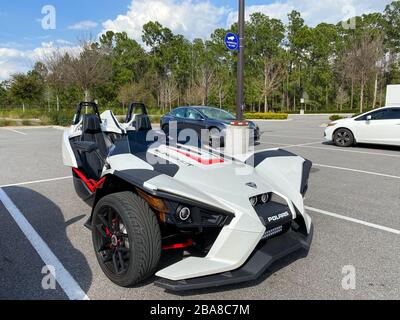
[4, 123]
[7, 123]
[61, 118]
[45, 120]
[155, 118]
[19, 114]
[266, 116]
[336, 117]
[26, 122]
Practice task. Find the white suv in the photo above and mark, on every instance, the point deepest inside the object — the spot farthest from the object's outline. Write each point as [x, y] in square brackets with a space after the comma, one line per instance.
[381, 126]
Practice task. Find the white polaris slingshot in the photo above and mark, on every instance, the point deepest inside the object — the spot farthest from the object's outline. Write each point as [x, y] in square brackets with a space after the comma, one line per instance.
[150, 196]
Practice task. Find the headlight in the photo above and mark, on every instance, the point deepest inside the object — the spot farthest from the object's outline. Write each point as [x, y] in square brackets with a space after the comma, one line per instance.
[188, 216]
[332, 124]
[253, 201]
[265, 198]
[184, 213]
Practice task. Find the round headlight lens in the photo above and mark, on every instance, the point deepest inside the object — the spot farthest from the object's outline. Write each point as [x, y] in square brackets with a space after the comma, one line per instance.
[184, 213]
[265, 198]
[253, 201]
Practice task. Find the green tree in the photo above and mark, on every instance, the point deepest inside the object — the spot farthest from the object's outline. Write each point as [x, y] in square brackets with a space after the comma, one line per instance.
[3, 94]
[26, 88]
[265, 38]
[391, 20]
[298, 40]
[89, 69]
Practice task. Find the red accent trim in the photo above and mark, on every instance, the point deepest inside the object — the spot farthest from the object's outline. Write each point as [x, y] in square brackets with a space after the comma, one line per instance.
[199, 159]
[240, 123]
[90, 183]
[186, 244]
[108, 233]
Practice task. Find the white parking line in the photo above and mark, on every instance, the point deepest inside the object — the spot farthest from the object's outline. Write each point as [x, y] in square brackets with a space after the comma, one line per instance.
[354, 151]
[16, 131]
[63, 277]
[266, 134]
[358, 171]
[334, 149]
[365, 223]
[290, 145]
[34, 182]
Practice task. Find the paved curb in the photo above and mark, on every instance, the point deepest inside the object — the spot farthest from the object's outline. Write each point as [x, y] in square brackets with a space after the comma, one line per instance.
[262, 120]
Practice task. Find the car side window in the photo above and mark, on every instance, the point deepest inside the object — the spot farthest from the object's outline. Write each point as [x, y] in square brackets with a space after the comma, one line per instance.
[387, 114]
[180, 113]
[364, 117]
[393, 114]
[379, 115]
[376, 115]
[194, 115]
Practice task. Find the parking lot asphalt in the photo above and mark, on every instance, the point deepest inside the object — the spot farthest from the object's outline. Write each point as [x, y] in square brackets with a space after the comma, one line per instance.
[353, 198]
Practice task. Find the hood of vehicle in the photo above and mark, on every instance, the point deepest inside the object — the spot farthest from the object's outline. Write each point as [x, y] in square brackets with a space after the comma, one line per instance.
[209, 178]
[343, 121]
[206, 176]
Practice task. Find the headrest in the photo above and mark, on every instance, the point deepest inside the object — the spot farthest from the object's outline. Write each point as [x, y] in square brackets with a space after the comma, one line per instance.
[142, 122]
[91, 124]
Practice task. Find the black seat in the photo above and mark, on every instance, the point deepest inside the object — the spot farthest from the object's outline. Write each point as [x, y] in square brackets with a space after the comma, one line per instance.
[142, 122]
[91, 132]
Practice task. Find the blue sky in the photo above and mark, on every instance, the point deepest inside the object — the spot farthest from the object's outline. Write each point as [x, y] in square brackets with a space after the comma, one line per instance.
[20, 25]
[19, 19]
[23, 40]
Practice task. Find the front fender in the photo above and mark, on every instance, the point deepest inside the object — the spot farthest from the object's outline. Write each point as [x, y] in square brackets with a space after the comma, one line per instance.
[287, 173]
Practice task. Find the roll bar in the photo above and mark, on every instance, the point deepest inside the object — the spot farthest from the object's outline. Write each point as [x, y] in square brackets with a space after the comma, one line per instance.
[79, 107]
[132, 108]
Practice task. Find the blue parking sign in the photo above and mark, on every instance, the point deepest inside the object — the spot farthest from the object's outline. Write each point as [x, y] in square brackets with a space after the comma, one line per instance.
[232, 41]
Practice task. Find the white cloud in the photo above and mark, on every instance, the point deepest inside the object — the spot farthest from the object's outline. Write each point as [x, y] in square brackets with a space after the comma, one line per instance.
[194, 18]
[63, 42]
[84, 25]
[14, 61]
[315, 12]
[190, 18]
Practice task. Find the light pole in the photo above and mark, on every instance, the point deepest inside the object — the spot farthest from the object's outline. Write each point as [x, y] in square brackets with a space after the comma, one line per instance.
[240, 75]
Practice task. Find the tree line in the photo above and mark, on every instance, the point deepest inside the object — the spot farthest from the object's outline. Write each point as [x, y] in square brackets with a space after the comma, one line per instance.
[288, 66]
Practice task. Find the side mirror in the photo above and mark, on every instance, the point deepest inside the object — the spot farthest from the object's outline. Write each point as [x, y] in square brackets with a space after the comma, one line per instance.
[369, 118]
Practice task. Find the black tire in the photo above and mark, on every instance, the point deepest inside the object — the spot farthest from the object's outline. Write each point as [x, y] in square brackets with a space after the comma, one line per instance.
[165, 128]
[141, 254]
[343, 138]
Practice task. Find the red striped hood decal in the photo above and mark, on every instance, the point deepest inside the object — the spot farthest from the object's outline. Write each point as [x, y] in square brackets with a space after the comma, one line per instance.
[198, 158]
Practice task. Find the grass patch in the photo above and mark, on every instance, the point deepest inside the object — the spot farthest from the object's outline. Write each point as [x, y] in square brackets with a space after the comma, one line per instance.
[266, 116]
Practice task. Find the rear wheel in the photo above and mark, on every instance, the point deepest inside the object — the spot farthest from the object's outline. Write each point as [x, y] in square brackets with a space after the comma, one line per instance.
[126, 238]
[343, 138]
[165, 128]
